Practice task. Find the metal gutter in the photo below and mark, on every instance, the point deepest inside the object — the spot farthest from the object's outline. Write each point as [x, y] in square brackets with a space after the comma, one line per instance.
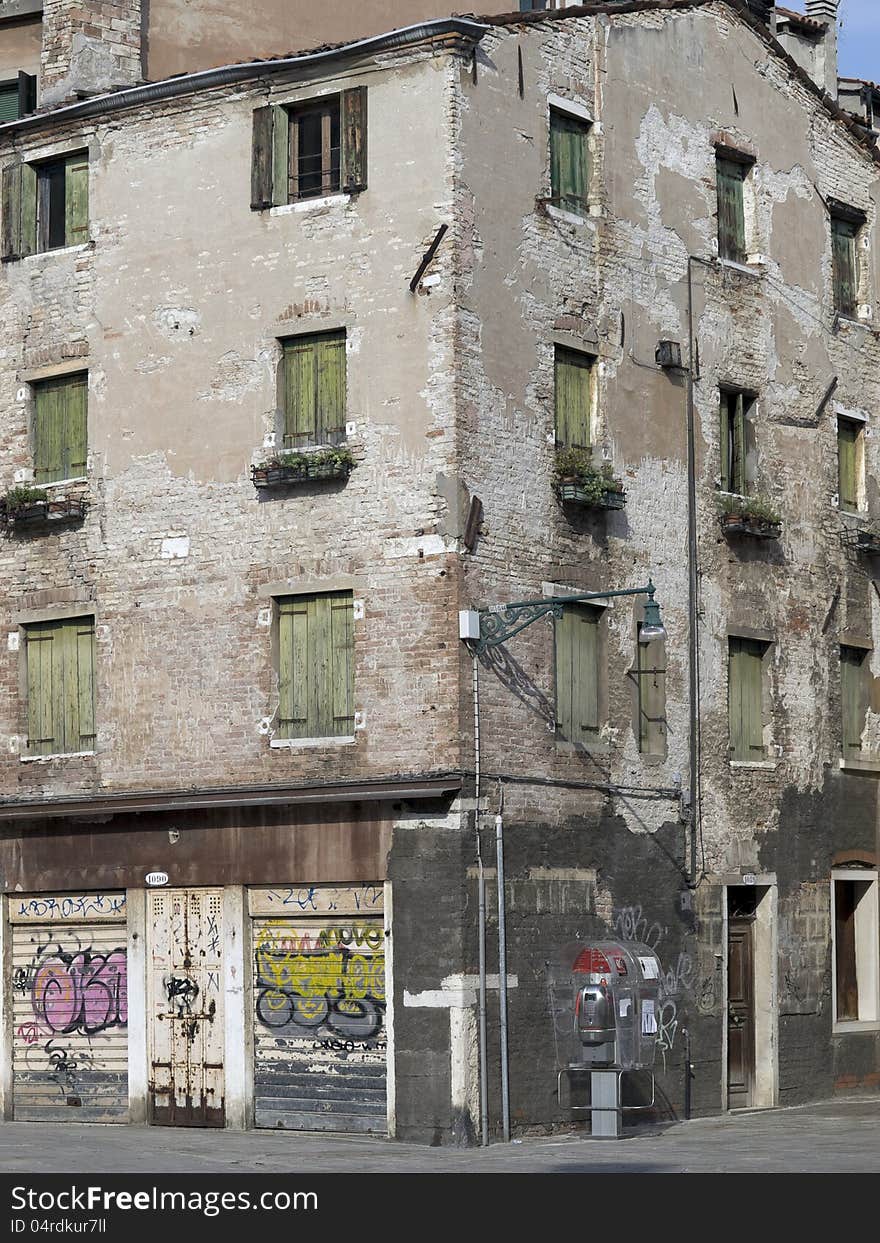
[421, 786]
[206, 79]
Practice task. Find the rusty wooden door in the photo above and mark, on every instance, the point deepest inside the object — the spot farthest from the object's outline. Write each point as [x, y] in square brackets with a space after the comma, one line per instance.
[740, 1012]
[186, 1008]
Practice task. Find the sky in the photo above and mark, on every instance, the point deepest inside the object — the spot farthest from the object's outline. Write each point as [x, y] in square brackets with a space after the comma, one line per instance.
[859, 55]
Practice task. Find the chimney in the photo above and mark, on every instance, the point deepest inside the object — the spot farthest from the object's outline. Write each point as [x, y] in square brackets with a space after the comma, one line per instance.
[89, 47]
[825, 74]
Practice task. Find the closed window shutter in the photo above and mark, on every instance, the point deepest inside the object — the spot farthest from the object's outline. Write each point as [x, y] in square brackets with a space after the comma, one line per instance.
[342, 667]
[852, 699]
[262, 159]
[843, 254]
[847, 441]
[726, 464]
[330, 415]
[10, 227]
[752, 698]
[569, 162]
[577, 680]
[85, 681]
[75, 432]
[9, 102]
[745, 677]
[652, 698]
[572, 399]
[49, 420]
[39, 645]
[731, 218]
[739, 444]
[354, 139]
[76, 199]
[300, 392]
[294, 667]
[28, 217]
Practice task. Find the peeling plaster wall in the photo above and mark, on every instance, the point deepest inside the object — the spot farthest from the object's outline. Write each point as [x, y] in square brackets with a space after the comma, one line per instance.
[620, 277]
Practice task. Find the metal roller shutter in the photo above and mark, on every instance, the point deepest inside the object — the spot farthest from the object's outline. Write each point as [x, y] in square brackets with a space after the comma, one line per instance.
[319, 1009]
[70, 1008]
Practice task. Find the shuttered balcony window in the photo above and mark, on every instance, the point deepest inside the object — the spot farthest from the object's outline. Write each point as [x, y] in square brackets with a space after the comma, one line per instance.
[730, 178]
[60, 659]
[313, 390]
[316, 666]
[745, 699]
[569, 162]
[577, 674]
[18, 96]
[572, 398]
[45, 206]
[60, 428]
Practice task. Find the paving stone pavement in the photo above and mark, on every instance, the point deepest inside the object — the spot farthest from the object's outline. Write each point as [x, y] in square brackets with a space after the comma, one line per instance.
[834, 1136]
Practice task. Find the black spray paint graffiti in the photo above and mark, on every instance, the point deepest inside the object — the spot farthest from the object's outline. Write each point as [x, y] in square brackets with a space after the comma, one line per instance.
[84, 993]
[339, 990]
[182, 992]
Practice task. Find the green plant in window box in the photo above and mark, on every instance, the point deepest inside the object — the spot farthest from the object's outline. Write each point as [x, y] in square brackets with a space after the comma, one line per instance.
[297, 467]
[23, 504]
[749, 515]
[580, 482]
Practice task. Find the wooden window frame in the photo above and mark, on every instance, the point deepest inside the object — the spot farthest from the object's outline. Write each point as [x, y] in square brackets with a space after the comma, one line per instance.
[860, 944]
[579, 696]
[745, 706]
[329, 109]
[59, 683]
[562, 121]
[315, 667]
[325, 423]
[565, 357]
[30, 214]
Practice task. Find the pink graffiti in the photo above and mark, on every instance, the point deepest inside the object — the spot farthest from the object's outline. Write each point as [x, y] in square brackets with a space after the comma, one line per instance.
[29, 1033]
[82, 992]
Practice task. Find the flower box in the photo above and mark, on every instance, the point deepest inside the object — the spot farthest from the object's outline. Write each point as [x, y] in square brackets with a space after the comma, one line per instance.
[336, 464]
[573, 493]
[43, 513]
[750, 525]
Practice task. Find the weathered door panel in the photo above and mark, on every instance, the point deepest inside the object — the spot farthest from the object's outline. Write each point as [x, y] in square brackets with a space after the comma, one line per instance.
[69, 992]
[186, 1008]
[319, 1009]
[740, 1013]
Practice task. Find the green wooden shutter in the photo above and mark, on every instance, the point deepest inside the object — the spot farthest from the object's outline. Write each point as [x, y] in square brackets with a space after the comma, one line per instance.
[843, 257]
[49, 420]
[726, 464]
[280, 188]
[39, 645]
[330, 411]
[10, 193]
[28, 218]
[739, 445]
[731, 218]
[853, 699]
[76, 199]
[572, 375]
[847, 475]
[577, 674]
[9, 101]
[261, 159]
[75, 447]
[569, 162]
[85, 681]
[745, 707]
[342, 664]
[295, 667]
[300, 392]
[353, 133]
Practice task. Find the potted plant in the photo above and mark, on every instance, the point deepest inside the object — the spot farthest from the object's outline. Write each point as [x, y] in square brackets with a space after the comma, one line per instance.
[298, 466]
[749, 515]
[24, 504]
[580, 482]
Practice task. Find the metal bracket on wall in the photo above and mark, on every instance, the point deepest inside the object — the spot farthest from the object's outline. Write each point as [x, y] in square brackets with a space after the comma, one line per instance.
[428, 256]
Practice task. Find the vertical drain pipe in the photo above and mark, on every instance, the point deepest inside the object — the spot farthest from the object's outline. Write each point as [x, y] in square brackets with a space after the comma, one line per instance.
[481, 902]
[502, 966]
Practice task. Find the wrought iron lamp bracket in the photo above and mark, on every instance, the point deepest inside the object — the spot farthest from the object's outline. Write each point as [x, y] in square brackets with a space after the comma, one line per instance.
[500, 622]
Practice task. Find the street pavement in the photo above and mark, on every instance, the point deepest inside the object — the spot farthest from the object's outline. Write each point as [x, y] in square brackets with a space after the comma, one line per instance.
[835, 1136]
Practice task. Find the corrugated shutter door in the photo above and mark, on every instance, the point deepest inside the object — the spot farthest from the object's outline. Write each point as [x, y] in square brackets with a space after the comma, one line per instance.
[319, 1012]
[70, 1011]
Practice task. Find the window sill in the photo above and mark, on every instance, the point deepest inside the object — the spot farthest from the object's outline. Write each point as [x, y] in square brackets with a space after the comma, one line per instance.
[58, 250]
[853, 1026]
[755, 270]
[291, 744]
[582, 748]
[571, 217]
[859, 766]
[58, 755]
[854, 321]
[328, 200]
[62, 483]
[763, 765]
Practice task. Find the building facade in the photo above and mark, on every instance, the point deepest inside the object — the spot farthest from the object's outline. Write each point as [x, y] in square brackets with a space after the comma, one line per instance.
[303, 358]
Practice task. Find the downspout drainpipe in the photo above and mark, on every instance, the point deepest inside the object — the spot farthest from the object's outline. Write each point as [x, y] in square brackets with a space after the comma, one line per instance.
[693, 584]
[502, 970]
[481, 902]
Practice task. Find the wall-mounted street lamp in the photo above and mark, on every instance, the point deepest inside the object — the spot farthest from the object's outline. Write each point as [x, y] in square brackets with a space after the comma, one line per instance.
[496, 624]
[482, 629]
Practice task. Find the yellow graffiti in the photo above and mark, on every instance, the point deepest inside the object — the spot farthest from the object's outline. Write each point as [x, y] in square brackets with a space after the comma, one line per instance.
[319, 976]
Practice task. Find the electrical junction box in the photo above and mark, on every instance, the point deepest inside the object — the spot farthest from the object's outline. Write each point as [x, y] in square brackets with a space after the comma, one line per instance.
[469, 624]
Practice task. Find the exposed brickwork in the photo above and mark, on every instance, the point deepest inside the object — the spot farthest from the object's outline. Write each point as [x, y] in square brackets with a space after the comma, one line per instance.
[89, 46]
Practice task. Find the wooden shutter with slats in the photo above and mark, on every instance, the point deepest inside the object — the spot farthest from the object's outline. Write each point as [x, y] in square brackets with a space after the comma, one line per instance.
[572, 398]
[261, 159]
[314, 390]
[10, 226]
[569, 162]
[843, 256]
[316, 669]
[730, 175]
[745, 693]
[353, 130]
[577, 674]
[76, 199]
[61, 686]
[853, 699]
[60, 428]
